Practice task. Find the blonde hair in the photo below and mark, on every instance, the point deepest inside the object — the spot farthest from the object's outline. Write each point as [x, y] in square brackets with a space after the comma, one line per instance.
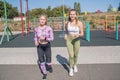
[44, 15]
[76, 18]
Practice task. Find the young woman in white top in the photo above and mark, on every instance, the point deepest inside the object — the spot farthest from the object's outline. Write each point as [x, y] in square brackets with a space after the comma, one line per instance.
[74, 30]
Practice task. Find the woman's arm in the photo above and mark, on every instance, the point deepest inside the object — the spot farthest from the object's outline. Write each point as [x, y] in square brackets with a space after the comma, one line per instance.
[66, 31]
[35, 38]
[81, 29]
[80, 25]
[51, 35]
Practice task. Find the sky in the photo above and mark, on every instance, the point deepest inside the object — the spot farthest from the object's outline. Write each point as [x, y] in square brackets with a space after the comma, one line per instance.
[86, 5]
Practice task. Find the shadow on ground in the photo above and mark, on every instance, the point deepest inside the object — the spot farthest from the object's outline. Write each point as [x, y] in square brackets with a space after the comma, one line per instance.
[63, 61]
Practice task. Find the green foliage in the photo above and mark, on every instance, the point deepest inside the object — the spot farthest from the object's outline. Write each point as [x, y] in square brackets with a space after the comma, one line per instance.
[55, 12]
[11, 11]
[118, 18]
[49, 11]
[102, 17]
[119, 7]
[1, 9]
[84, 18]
[37, 12]
[77, 7]
[110, 8]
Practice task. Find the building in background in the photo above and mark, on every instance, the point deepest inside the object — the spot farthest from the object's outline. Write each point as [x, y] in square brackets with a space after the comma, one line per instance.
[19, 18]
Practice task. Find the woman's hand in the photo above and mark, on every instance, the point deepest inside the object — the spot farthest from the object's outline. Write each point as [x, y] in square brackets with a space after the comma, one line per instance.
[76, 35]
[36, 43]
[65, 37]
[42, 38]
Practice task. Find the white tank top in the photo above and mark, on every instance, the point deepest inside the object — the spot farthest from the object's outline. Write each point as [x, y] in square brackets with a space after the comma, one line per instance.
[73, 29]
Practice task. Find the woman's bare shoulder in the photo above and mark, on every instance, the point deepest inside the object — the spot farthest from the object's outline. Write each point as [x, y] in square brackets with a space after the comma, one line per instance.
[80, 23]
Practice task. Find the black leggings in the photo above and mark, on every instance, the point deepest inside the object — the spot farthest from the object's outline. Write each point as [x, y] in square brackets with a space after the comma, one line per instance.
[44, 52]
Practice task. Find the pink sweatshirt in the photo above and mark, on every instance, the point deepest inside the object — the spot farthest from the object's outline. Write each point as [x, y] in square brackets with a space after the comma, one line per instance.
[47, 32]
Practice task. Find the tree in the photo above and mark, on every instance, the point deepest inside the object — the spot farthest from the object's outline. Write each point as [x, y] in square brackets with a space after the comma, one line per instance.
[110, 8]
[1, 9]
[11, 11]
[119, 7]
[56, 12]
[37, 12]
[77, 7]
[49, 11]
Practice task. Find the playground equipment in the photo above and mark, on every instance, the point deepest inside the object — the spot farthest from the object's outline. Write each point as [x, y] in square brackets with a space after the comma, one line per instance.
[109, 21]
[63, 21]
[88, 31]
[7, 31]
[21, 15]
[27, 17]
[59, 20]
[117, 31]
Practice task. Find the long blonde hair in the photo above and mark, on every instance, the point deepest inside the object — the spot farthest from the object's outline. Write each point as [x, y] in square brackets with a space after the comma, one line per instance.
[76, 18]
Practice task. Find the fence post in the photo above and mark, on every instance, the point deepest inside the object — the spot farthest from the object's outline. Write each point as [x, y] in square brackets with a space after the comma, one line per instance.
[50, 21]
[117, 31]
[88, 31]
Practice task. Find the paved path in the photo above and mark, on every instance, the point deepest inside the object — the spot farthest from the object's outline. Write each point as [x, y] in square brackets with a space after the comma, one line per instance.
[95, 63]
[87, 55]
[86, 72]
[98, 60]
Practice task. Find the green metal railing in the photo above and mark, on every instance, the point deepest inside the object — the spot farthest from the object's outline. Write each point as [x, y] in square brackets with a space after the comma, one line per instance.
[7, 31]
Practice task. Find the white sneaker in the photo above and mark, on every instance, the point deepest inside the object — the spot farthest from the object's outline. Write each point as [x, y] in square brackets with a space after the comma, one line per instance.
[71, 72]
[75, 68]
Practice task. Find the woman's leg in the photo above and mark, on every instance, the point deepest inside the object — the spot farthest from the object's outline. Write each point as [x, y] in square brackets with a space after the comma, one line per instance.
[70, 51]
[41, 59]
[48, 57]
[48, 53]
[71, 54]
[76, 51]
[40, 54]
